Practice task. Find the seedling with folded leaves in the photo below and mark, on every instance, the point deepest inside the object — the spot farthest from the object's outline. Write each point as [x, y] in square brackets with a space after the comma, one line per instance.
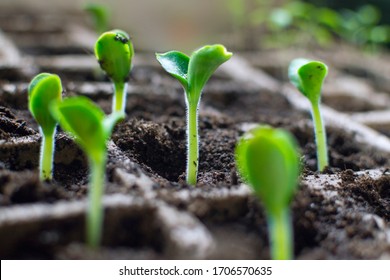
[114, 51]
[91, 128]
[44, 89]
[268, 161]
[308, 77]
[193, 72]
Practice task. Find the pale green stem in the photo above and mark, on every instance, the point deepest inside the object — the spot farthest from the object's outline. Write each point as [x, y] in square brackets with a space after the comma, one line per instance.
[320, 136]
[280, 235]
[119, 100]
[46, 155]
[193, 142]
[95, 209]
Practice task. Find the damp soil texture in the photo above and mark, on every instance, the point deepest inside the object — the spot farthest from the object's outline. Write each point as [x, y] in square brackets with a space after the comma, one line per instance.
[150, 211]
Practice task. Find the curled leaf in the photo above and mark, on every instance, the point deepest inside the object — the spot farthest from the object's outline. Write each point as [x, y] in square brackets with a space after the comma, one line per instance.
[308, 76]
[176, 64]
[44, 89]
[203, 63]
[268, 160]
[84, 120]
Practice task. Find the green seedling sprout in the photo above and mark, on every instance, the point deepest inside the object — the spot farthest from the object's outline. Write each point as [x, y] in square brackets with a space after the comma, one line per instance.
[44, 89]
[193, 72]
[308, 76]
[267, 159]
[87, 123]
[114, 51]
[100, 16]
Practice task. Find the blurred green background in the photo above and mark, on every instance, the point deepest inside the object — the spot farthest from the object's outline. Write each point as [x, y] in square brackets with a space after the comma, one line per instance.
[243, 24]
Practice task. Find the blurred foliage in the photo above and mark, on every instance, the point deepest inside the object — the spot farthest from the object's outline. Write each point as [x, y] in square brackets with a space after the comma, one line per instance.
[298, 23]
[383, 5]
[100, 16]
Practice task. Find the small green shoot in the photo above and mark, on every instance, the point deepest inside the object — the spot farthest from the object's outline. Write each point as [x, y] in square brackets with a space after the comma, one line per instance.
[43, 89]
[87, 123]
[114, 51]
[100, 16]
[193, 72]
[308, 76]
[267, 159]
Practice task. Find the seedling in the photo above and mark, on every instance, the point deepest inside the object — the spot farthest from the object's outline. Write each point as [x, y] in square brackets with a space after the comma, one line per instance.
[100, 16]
[114, 51]
[43, 89]
[308, 77]
[268, 161]
[87, 123]
[193, 72]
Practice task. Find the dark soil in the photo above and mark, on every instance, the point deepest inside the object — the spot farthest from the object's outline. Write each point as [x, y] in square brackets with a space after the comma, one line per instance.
[158, 141]
[341, 225]
[153, 137]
